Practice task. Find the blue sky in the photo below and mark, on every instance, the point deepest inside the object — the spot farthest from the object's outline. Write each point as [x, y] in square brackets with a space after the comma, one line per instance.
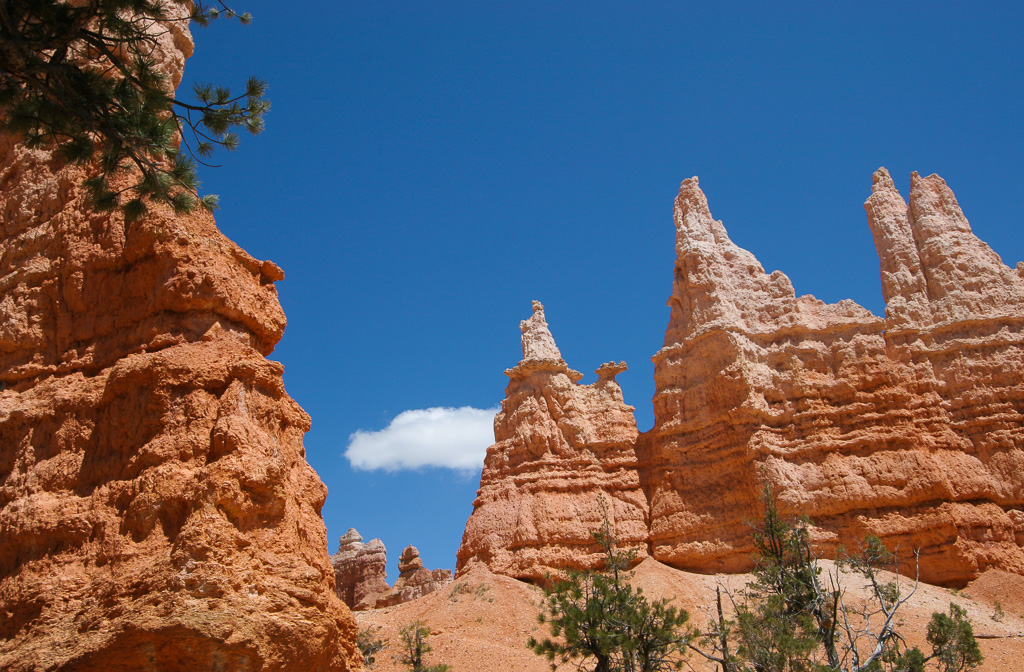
[429, 168]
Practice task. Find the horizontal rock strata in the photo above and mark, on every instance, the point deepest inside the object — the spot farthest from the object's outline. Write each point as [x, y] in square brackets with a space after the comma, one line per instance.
[156, 507]
[360, 570]
[563, 461]
[908, 427]
[361, 574]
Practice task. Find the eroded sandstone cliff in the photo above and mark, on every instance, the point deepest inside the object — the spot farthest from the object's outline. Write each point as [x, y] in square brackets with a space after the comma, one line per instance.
[156, 507]
[908, 427]
[563, 461]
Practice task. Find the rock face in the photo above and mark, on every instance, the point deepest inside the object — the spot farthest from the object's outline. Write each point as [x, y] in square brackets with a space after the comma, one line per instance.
[563, 461]
[414, 580]
[156, 507]
[360, 570]
[909, 427]
[361, 573]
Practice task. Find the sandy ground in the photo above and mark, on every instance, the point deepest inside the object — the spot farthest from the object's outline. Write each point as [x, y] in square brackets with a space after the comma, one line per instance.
[482, 621]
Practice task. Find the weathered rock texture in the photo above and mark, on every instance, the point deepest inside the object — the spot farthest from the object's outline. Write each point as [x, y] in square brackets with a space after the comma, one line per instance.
[156, 507]
[563, 461]
[908, 427]
[360, 570]
[361, 574]
[414, 580]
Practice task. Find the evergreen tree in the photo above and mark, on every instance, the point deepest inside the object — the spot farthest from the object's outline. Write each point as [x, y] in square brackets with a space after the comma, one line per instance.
[597, 618]
[370, 645]
[415, 647]
[791, 620]
[80, 77]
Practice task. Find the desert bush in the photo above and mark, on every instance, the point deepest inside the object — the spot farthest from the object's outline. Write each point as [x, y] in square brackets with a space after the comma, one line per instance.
[790, 618]
[415, 647]
[370, 644]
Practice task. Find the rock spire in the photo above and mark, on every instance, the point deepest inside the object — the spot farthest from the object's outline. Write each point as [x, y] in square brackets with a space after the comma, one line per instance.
[563, 461]
[361, 574]
[360, 570]
[910, 427]
[538, 343]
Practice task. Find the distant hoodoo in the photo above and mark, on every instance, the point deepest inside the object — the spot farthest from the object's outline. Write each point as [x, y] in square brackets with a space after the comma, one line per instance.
[360, 572]
[910, 427]
[565, 459]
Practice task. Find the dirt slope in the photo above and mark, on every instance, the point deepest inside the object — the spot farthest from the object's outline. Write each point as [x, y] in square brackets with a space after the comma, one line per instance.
[481, 624]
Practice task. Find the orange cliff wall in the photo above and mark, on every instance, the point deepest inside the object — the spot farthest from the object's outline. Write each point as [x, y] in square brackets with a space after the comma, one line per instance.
[156, 507]
[908, 427]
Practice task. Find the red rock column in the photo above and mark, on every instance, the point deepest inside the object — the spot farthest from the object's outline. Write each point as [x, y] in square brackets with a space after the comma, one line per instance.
[908, 428]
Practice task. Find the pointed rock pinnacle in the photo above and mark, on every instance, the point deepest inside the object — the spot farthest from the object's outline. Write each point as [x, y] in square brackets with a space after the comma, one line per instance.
[538, 343]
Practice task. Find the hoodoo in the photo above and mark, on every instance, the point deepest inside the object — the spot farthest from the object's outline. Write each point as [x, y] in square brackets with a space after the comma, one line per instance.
[361, 574]
[565, 459]
[360, 570]
[908, 427]
[156, 507]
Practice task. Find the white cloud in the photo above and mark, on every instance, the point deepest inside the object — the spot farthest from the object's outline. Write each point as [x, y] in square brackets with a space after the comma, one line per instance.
[455, 438]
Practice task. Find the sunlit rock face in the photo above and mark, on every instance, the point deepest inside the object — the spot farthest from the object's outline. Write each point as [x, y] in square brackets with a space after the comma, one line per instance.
[360, 570]
[361, 574]
[908, 427]
[564, 459]
[414, 580]
[156, 507]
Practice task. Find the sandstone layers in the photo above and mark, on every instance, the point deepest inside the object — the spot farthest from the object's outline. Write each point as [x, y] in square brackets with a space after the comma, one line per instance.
[908, 427]
[414, 580]
[360, 572]
[156, 508]
[564, 460]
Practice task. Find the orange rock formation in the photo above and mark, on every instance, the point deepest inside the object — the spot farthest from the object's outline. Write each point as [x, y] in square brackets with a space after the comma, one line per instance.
[565, 459]
[361, 574]
[414, 580]
[156, 507]
[908, 427]
[360, 570]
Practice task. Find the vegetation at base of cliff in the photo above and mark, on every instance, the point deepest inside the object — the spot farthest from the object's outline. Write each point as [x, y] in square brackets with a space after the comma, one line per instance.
[415, 647]
[462, 588]
[83, 79]
[370, 644]
[790, 618]
[598, 616]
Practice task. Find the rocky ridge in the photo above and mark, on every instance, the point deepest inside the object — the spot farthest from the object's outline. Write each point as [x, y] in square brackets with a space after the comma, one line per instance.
[908, 427]
[156, 507]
